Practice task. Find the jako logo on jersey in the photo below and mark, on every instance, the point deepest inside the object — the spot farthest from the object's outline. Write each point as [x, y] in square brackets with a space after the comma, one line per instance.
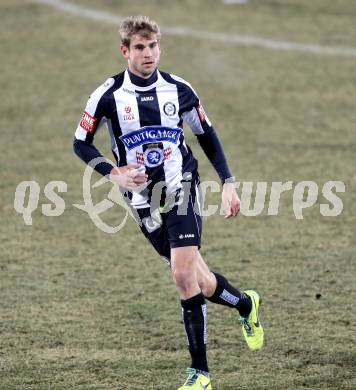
[88, 122]
[181, 236]
[149, 134]
[147, 98]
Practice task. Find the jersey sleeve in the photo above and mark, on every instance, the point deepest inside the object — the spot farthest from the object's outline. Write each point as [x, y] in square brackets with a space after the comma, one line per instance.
[93, 117]
[201, 126]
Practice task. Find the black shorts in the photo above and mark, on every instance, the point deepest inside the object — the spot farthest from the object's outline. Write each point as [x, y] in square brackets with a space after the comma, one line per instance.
[178, 226]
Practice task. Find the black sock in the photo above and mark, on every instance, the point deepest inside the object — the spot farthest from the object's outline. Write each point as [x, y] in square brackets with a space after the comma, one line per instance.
[227, 295]
[194, 318]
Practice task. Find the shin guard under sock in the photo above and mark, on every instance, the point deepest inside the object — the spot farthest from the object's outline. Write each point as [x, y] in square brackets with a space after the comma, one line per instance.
[194, 318]
[227, 295]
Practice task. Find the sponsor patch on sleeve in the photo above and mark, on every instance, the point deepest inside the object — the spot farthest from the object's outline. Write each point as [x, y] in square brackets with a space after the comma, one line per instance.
[201, 113]
[88, 122]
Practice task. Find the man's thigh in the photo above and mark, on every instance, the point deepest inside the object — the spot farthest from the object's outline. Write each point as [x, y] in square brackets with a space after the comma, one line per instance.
[178, 227]
[184, 224]
[156, 233]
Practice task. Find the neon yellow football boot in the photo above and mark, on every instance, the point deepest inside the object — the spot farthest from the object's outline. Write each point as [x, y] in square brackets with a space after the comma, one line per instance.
[251, 326]
[196, 381]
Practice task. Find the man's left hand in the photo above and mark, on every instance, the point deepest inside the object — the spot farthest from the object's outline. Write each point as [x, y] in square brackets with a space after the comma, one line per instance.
[230, 200]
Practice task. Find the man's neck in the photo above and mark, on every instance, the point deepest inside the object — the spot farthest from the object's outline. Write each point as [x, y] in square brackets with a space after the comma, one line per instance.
[143, 82]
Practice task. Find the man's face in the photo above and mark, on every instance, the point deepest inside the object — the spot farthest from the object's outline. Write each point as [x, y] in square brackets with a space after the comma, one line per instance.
[142, 55]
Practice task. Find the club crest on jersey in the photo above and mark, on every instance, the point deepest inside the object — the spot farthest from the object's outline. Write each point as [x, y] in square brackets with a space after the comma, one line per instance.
[151, 159]
[150, 134]
[88, 122]
[169, 108]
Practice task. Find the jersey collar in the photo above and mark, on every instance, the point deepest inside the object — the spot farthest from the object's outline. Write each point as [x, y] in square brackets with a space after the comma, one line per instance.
[141, 82]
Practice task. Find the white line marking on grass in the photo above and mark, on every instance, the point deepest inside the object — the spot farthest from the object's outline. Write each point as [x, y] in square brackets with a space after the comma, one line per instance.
[228, 2]
[244, 40]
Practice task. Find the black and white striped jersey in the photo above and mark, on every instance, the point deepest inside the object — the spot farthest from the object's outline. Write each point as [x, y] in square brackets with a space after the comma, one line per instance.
[145, 119]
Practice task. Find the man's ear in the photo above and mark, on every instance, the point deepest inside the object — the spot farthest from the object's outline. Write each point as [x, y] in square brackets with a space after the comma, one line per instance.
[124, 51]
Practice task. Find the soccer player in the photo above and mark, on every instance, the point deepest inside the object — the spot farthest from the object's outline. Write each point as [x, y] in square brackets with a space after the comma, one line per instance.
[144, 110]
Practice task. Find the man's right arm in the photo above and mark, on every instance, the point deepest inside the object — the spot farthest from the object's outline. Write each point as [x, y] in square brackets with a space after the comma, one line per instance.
[93, 117]
[88, 152]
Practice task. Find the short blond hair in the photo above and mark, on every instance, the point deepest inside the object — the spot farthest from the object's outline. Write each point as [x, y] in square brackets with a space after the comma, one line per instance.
[139, 24]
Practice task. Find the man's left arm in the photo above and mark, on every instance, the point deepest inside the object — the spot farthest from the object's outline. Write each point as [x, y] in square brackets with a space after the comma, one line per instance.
[209, 142]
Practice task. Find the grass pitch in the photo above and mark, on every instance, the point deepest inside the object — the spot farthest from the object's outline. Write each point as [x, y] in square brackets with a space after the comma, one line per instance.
[81, 309]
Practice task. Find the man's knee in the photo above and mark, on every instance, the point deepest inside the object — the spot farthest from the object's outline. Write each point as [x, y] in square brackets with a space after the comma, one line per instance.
[184, 267]
[183, 279]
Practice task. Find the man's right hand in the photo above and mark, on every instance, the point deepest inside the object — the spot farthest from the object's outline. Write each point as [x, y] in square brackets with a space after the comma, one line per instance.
[128, 176]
